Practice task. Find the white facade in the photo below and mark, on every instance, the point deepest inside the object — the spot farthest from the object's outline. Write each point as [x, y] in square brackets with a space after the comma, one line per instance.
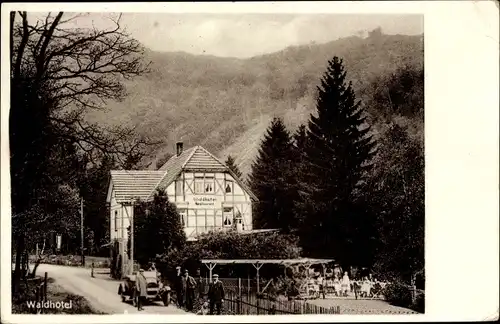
[205, 202]
[206, 193]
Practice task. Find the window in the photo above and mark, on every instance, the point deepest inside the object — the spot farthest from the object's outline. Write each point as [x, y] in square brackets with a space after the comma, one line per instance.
[183, 214]
[116, 221]
[191, 219]
[198, 186]
[228, 216]
[201, 219]
[204, 185]
[229, 186]
[209, 184]
[218, 218]
[179, 188]
[210, 220]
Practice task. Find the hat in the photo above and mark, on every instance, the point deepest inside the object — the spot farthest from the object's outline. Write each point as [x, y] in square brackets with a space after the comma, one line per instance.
[141, 270]
[177, 268]
[215, 275]
[186, 270]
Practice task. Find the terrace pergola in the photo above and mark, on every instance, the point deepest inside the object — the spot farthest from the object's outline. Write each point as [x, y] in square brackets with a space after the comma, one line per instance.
[258, 263]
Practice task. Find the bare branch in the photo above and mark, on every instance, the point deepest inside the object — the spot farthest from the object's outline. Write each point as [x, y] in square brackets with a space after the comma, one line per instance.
[47, 35]
[22, 45]
[12, 18]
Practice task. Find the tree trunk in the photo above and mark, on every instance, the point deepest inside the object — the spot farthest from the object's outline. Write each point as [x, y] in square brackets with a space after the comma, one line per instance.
[33, 273]
[17, 270]
[38, 260]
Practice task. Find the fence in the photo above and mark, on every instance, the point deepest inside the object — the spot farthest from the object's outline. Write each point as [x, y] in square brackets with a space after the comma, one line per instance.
[241, 298]
[252, 305]
[40, 292]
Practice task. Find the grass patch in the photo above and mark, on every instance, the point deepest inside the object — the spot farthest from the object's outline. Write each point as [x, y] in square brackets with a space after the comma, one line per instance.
[57, 298]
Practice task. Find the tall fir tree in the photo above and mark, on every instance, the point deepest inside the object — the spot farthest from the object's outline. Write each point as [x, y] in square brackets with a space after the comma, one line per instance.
[270, 179]
[299, 172]
[231, 164]
[300, 138]
[337, 157]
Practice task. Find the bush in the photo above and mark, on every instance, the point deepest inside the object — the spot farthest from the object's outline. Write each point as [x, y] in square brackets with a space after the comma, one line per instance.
[232, 245]
[419, 305]
[399, 294]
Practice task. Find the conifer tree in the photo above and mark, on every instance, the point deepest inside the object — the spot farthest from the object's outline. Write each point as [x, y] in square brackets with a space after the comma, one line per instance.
[337, 156]
[231, 164]
[270, 179]
[299, 173]
[300, 138]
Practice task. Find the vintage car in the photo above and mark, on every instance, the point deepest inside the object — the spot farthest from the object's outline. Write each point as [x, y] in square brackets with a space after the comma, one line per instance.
[155, 289]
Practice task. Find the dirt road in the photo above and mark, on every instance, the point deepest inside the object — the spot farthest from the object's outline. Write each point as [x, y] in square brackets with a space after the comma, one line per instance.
[101, 291]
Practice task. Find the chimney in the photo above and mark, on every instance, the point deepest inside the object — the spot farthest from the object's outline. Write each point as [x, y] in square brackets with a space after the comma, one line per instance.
[179, 148]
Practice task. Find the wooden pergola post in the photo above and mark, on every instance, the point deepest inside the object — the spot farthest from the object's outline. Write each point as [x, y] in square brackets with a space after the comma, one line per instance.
[210, 267]
[257, 267]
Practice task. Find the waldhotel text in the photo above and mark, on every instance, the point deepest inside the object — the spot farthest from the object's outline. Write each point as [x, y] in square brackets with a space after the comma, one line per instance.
[50, 304]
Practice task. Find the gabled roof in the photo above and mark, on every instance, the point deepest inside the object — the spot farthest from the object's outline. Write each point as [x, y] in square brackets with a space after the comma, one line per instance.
[196, 158]
[202, 159]
[132, 185]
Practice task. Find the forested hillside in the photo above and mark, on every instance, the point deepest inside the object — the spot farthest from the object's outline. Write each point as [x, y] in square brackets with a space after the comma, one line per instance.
[225, 104]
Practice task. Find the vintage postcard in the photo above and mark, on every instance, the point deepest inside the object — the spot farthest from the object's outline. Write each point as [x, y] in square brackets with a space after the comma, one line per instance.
[207, 162]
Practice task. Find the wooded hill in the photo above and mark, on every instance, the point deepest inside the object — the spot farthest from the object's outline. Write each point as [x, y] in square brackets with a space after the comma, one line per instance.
[225, 104]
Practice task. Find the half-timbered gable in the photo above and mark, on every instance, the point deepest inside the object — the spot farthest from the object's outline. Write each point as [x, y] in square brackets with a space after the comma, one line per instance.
[207, 194]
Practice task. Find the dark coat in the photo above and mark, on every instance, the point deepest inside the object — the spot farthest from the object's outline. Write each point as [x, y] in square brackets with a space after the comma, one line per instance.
[216, 292]
[141, 285]
[179, 283]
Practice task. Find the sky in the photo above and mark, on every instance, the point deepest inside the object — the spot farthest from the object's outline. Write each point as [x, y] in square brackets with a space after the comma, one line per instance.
[246, 35]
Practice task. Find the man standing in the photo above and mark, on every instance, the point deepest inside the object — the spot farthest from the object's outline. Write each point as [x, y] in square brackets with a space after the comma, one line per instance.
[179, 289]
[190, 286]
[141, 288]
[216, 295]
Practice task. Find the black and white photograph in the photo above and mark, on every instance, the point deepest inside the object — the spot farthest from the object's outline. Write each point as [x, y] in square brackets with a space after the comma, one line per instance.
[190, 163]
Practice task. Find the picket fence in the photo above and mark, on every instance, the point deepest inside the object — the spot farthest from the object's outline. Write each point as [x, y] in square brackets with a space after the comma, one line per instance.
[242, 299]
[245, 304]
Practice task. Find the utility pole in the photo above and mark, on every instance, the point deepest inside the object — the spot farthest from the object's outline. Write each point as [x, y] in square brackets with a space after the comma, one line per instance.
[132, 238]
[81, 232]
